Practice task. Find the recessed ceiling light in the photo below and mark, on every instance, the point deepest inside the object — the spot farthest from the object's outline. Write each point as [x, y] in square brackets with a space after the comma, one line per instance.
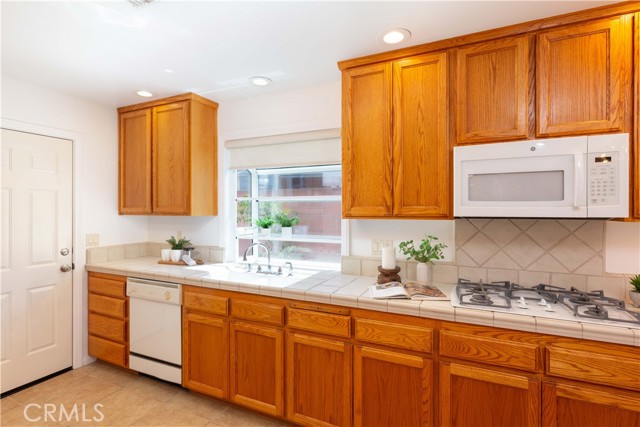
[260, 81]
[144, 93]
[396, 35]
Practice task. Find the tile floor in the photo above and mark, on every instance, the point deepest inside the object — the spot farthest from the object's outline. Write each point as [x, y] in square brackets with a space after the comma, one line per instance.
[73, 399]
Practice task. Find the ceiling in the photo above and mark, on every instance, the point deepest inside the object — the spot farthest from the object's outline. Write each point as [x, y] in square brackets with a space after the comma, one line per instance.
[106, 51]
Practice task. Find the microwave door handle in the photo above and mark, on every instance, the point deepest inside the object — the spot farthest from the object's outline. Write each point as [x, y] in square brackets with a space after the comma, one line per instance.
[579, 181]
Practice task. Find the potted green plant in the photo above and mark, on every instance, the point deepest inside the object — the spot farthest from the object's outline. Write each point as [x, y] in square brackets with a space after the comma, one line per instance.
[424, 254]
[264, 224]
[176, 247]
[286, 221]
[634, 293]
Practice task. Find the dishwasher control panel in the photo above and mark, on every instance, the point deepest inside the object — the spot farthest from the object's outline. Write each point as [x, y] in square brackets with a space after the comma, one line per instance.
[154, 290]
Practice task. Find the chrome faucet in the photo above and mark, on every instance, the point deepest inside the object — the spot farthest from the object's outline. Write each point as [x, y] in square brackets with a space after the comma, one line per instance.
[259, 245]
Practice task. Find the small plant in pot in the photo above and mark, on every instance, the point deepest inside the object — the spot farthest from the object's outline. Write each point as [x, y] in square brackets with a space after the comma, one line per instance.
[634, 294]
[286, 221]
[424, 254]
[176, 247]
[264, 224]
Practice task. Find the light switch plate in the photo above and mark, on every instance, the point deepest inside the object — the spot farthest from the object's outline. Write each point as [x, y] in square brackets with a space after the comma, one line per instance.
[378, 244]
[93, 239]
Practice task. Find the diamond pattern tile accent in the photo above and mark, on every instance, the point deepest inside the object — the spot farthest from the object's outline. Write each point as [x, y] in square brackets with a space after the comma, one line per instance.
[464, 260]
[480, 248]
[480, 222]
[524, 250]
[501, 231]
[522, 223]
[547, 263]
[547, 233]
[464, 231]
[593, 267]
[572, 224]
[572, 253]
[592, 233]
[501, 260]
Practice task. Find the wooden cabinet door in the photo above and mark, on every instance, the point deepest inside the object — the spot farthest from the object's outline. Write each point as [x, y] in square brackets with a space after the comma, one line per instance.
[205, 354]
[492, 91]
[257, 367]
[171, 168]
[319, 373]
[134, 177]
[366, 142]
[472, 396]
[635, 140]
[420, 143]
[391, 389]
[565, 405]
[583, 77]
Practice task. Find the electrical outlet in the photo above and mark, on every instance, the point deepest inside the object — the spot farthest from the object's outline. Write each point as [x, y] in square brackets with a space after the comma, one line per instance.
[378, 244]
[93, 239]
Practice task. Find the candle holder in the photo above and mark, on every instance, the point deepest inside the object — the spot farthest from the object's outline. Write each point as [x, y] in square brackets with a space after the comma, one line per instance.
[388, 275]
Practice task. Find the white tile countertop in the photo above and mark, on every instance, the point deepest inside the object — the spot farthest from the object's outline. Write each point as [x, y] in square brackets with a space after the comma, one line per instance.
[333, 287]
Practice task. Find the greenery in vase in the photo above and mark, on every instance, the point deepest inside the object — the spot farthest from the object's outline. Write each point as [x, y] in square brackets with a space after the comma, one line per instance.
[265, 222]
[426, 252]
[635, 282]
[285, 220]
[178, 244]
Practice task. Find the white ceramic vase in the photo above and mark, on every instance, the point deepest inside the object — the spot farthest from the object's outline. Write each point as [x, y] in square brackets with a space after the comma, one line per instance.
[176, 254]
[423, 273]
[287, 232]
[264, 231]
[635, 298]
[165, 254]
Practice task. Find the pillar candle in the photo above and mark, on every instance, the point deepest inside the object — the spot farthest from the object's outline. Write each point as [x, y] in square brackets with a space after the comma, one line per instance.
[388, 258]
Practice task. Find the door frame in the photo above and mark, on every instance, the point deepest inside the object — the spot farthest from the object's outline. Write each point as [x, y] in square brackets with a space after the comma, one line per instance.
[79, 356]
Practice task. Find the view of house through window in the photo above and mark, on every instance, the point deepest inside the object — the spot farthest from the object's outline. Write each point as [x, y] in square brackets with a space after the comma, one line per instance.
[309, 197]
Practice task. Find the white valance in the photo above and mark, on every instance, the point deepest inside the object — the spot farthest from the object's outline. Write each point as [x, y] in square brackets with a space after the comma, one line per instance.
[322, 147]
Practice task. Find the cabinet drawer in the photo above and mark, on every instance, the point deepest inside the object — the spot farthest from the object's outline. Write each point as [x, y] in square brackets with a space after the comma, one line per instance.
[206, 303]
[105, 286]
[108, 351]
[106, 305]
[494, 351]
[324, 323]
[108, 327]
[261, 312]
[593, 367]
[394, 334]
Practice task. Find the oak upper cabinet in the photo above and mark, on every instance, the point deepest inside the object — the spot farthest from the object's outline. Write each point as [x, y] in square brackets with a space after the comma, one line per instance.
[493, 90]
[168, 157]
[477, 396]
[108, 318]
[395, 156]
[392, 387]
[583, 78]
[205, 342]
[366, 142]
[636, 135]
[257, 356]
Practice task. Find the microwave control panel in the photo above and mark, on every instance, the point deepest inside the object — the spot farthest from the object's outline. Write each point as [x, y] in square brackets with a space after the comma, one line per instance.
[603, 173]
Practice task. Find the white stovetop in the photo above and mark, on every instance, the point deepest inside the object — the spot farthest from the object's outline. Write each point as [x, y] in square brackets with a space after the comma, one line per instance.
[333, 287]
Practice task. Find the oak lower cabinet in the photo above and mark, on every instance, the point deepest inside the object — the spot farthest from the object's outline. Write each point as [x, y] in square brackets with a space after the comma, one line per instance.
[108, 319]
[205, 342]
[584, 77]
[573, 405]
[391, 388]
[168, 157]
[635, 140]
[395, 153]
[319, 372]
[473, 396]
[257, 356]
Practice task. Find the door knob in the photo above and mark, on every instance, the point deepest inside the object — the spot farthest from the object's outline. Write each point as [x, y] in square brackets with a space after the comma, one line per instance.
[65, 268]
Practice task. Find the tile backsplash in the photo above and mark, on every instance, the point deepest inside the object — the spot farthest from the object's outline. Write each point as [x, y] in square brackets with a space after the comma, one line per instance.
[562, 252]
[134, 250]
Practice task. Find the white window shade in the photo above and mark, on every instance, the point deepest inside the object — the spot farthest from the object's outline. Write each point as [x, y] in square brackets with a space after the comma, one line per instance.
[313, 148]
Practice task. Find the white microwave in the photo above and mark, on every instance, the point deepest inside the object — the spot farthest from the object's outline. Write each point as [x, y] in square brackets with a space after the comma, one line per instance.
[574, 177]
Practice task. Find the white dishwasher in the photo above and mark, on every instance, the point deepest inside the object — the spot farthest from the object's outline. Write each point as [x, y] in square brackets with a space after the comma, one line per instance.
[155, 328]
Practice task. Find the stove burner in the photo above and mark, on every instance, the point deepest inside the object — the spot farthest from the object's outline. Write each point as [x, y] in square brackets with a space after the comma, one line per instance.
[581, 299]
[596, 311]
[481, 298]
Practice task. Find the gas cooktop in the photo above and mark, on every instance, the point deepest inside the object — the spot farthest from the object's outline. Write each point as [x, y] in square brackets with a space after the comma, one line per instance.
[544, 301]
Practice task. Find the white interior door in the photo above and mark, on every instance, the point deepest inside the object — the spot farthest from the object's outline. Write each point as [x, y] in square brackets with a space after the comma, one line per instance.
[35, 294]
